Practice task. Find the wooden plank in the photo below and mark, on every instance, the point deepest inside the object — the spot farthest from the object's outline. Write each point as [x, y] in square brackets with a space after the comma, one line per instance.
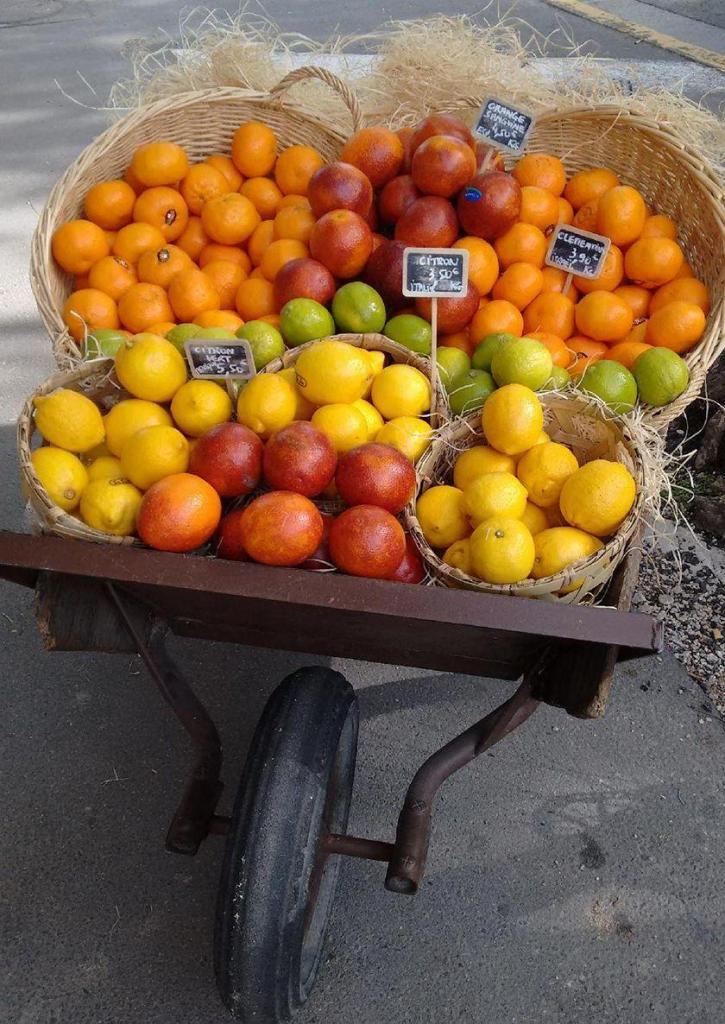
[76, 614]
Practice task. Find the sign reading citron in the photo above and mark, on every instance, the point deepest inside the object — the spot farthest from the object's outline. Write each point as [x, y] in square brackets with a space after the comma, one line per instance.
[333, 371]
[544, 469]
[266, 404]
[502, 550]
[598, 497]
[512, 419]
[441, 513]
[128, 417]
[479, 460]
[150, 367]
[400, 390]
[69, 420]
[62, 474]
[200, 405]
[408, 434]
[494, 494]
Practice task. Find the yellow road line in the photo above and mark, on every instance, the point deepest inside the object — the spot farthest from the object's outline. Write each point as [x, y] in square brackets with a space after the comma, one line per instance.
[647, 35]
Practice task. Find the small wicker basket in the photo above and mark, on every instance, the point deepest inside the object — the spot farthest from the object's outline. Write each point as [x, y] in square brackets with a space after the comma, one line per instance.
[577, 422]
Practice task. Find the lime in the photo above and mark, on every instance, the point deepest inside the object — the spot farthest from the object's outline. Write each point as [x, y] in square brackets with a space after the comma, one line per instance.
[181, 333]
[264, 340]
[558, 380]
[487, 348]
[452, 363]
[304, 320]
[661, 376]
[411, 331]
[358, 308]
[104, 342]
[469, 391]
[522, 361]
[611, 382]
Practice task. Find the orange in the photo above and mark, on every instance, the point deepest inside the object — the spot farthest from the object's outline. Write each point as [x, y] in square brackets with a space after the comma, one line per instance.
[539, 207]
[257, 273]
[280, 252]
[625, 352]
[225, 164]
[202, 183]
[271, 318]
[254, 149]
[653, 262]
[560, 352]
[294, 200]
[637, 298]
[162, 327]
[685, 271]
[191, 291]
[684, 289]
[294, 222]
[621, 214]
[110, 237]
[262, 236]
[493, 318]
[164, 208]
[565, 211]
[109, 204]
[377, 152]
[226, 278]
[586, 216]
[255, 298]
[79, 244]
[543, 170]
[482, 263]
[658, 225]
[158, 266]
[229, 219]
[638, 333]
[193, 238]
[264, 194]
[294, 168]
[678, 325]
[229, 253]
[603, 316]
[178, 513]
[519, 284]
[142, 305]
[611, 275]
[461, 340]
[555, 280]
[584, 352]
[130, 178]
[113, 276]
[522, 243]
[159, 163]
[588, 185]
[219, 318]
[552, 313]
[88, 310]
[136, 239]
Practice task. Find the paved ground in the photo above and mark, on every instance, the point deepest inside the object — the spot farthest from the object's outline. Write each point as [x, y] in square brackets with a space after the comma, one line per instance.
[576, 873]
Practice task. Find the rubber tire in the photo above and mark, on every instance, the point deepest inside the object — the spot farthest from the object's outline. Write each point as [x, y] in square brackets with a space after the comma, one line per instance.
[306, 737]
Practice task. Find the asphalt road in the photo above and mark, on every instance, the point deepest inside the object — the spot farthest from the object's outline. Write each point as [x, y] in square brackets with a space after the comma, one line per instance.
[576, 872]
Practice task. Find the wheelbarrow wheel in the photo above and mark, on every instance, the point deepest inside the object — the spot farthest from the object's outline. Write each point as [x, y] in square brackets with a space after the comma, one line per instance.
[277, 886]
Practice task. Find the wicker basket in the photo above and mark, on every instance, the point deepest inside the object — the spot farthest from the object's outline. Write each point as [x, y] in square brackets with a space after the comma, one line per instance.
[576, 422]
[203, 122]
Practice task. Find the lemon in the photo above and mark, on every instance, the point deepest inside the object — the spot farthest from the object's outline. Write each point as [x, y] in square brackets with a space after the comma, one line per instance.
[62, 475]
[409, 435]
[512, 419]
[598, 497]
[541, 439]
[333, 372]
[69, 420]
[150, 367]
[502, 550]
[544, 469]
[130, 416]
[494, 494]
[560, 547]
[458, 555]
[200, 405]
[376, 360]
[304, 409]
[534, 519]
[98, 450]
[105, 467]
[372, 417]
[153, 453]
[479, 460]
[343, 424]
[266, 404]
[442, 515]
[111, 506]
[400, 390]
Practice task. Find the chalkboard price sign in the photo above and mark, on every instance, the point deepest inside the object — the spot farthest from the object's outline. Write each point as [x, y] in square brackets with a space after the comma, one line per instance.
[576, 251]
[214, 359]
[435, 273]
[503, 125]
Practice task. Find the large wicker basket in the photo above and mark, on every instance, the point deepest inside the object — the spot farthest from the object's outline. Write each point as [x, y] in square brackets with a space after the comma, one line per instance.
[572, 420]
[203, 122]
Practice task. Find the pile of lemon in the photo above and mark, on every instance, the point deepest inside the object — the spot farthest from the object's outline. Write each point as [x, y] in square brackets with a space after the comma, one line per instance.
[520, 505]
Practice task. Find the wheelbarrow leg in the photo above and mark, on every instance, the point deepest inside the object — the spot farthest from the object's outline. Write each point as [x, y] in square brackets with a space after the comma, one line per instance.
[194, 818]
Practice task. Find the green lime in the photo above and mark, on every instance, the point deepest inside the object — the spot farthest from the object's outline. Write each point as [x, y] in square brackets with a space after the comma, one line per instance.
[452, 363]
[181, 333]
[264, 340]
[103, 342]
[558, 380]
[358, 308]
[469, 391]
[412, 331]
[661, 376]
[303, 320]
[522, 361]
[212, 333]
[487, 348]
[611, 382]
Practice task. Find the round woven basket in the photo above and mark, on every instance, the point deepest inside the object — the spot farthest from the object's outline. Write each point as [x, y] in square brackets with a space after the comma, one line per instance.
[577, 422]
[203, 122]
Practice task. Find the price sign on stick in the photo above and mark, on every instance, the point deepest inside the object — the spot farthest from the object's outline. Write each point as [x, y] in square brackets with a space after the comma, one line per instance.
[576, 251]
[503, 125]
[218, 359]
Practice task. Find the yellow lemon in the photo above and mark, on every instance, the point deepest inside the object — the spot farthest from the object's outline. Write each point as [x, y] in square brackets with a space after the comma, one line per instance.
[458, 555]
[130, 416]
[512, 419]
[502, 550]
[69, 420]
[333, 372]
[598, 497]
[400, 390]
[200, 405]
[266, 404]
[479, 460]
[409, 435]
[442, 516]
[544, 469]
[534, 519]
[62, 475]
[541, 439]
[105, 467]
[111, 506]
[344, 425]
[150, 367]
[304, 409]
[377, 362]
[560, 547]
[153, 453]
[98, 450]
[372, 417]
[495, 494]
